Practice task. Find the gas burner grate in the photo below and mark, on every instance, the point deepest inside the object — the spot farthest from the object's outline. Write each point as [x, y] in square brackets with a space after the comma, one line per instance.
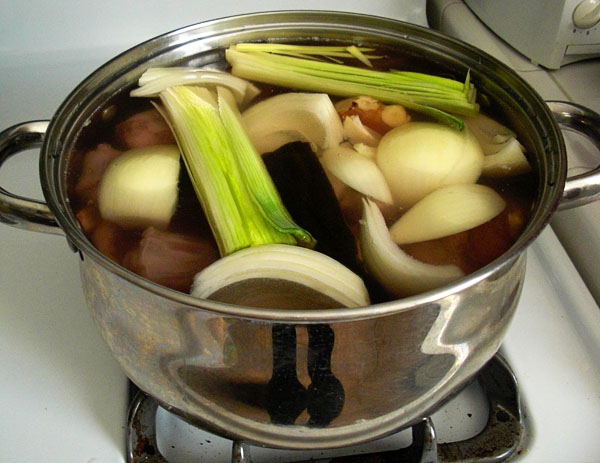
[500, 440]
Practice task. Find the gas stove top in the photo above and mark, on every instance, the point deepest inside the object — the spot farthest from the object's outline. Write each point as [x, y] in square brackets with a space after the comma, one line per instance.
[68, 398]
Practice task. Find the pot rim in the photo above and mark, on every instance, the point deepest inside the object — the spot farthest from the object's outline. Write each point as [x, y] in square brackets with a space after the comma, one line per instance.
[52, 171]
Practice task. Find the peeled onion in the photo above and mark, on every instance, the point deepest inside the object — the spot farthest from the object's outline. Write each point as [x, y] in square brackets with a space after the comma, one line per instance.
[418, 157]
[139, 188]
[357, 171]
[399, 273]
[448, 210]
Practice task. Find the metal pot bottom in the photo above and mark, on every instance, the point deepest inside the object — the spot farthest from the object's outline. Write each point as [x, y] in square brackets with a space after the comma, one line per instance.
[314, 385]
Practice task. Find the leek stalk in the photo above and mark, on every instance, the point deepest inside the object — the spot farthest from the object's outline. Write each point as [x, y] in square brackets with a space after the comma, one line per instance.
[235, 190]
[441, 98]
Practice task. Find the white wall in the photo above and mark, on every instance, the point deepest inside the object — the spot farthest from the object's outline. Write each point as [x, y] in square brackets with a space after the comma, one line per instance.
[40, 25]
[48, 47]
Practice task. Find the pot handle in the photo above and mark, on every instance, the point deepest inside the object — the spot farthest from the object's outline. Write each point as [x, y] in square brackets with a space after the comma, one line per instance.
[583, 188]
[18, 211]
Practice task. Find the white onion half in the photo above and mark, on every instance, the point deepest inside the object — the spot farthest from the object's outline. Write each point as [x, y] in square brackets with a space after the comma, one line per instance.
[399, 273]
[419, 157]
[448, 210]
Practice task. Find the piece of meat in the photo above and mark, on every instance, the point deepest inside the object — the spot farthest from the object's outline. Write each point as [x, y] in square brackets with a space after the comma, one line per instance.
[108, 239]
[147, 128]
[88, 217]
[170, 259]
[93, 166]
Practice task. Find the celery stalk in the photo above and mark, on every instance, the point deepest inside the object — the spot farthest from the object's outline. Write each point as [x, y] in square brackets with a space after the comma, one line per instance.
[235, 190]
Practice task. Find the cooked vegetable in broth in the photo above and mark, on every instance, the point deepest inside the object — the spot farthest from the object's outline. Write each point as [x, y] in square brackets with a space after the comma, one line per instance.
[388, 182]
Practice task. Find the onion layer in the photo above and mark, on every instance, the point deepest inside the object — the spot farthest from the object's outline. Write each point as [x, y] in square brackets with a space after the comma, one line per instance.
[289, 117]
[355, 132]
[399, 273]
[357, 171]
[504, 155]
[509, 160]
[446, 211]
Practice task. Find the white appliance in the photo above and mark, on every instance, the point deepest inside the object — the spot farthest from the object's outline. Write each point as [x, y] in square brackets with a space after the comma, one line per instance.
[549, 32]
[64, 398]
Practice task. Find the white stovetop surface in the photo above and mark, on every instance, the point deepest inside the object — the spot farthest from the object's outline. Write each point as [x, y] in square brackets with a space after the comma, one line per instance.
[63, 395]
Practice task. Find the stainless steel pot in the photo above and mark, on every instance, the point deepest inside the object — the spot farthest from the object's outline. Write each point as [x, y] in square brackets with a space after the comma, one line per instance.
[302, 378]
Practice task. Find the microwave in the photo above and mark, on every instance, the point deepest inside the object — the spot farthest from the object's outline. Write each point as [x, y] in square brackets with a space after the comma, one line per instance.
[550, 33]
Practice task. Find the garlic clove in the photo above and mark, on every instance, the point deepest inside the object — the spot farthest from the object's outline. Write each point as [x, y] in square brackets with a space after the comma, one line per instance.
[363, 102]
[272, 267]
[399, 273]
[357, 171]
[448, 210]
[395, 115]
[366, 150]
